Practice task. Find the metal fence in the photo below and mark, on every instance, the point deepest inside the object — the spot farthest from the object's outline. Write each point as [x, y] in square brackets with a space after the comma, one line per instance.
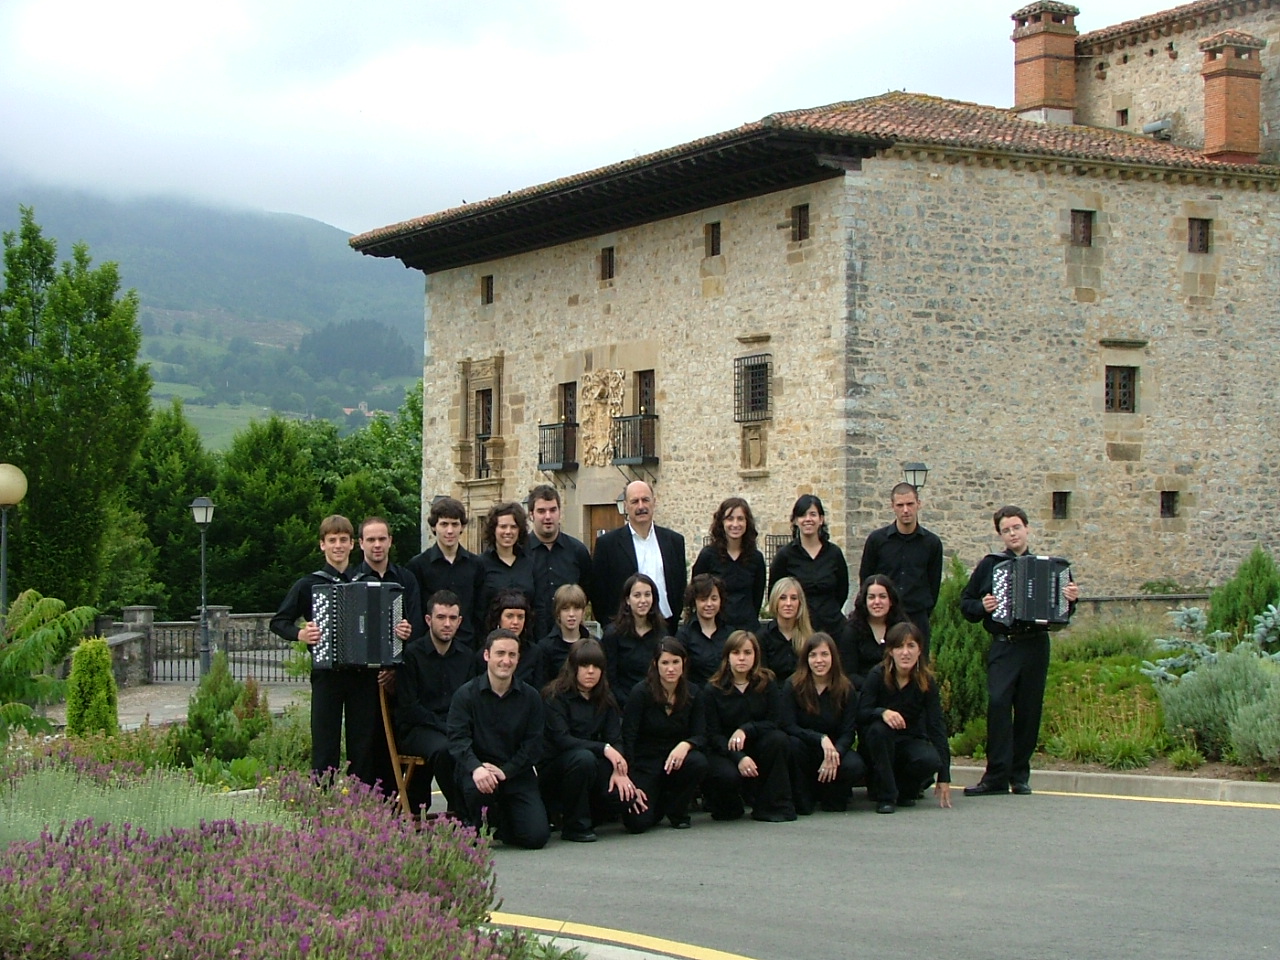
[251, 652]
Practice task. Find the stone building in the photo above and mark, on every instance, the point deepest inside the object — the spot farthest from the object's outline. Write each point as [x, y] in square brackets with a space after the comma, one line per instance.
[1043, 304]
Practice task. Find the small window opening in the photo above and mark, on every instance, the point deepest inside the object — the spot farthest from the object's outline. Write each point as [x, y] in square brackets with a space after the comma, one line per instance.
[1082, 228]
[607, 263]
[486, 289]
[1168, 504]
[711, 238]
[800, 222]
[1199, 235]
[1061, 504]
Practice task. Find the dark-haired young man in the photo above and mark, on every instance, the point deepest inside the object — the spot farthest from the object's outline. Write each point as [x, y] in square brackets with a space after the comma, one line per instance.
[909, 555]
[447, 565]
[495, 735]
[1017, 666]
[433, 671]
[558, 558]
[375, 545]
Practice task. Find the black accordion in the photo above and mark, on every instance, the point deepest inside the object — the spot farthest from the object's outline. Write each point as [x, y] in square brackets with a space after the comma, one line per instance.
[357, 624]
[1030, 591]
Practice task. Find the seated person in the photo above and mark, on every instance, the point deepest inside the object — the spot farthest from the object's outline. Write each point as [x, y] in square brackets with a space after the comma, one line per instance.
[663, 733]
[512, 610]
[496, 726]
[783, 637]
[632, 637]
[875, 609]
[569, 610]
[820, 714]
[749, 753]
[900, 719]
[583, 773]
[703, 632]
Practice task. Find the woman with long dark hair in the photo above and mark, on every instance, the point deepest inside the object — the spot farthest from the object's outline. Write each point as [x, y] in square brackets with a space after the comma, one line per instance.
[703, 632]
[583, 772]
[634, 633]
[734, 557]
[784, 636]
[820, 714]
[875, 609]
[816, 562]
[663, 735]
[749, 751]
[504, 564]
[900, 718]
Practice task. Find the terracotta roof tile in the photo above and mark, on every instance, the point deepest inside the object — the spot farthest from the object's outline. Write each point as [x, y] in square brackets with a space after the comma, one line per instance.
[1186, 12]
[1232, 38]
[1046, 6]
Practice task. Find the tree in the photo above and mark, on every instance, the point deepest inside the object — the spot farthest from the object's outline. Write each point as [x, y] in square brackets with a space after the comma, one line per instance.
[73, 405]
[171, 470]
[39, 633]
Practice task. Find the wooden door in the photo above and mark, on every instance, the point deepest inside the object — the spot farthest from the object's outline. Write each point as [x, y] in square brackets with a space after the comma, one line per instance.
[602, 517]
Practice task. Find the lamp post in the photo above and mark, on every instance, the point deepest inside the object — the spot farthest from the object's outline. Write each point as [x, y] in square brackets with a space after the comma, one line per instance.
[13, 487]
[915, 474]
[202, 512]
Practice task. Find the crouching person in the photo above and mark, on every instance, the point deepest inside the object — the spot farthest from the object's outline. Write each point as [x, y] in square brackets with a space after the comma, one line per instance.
[495, 737]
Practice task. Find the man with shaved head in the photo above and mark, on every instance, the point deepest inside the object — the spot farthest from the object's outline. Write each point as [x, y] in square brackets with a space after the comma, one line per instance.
[641, 546]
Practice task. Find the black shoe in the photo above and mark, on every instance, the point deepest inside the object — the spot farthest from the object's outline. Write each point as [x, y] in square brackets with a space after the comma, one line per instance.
[885, 807]
[984, 789]
[774, 816]
[906, 801]
[680, 823]
[579, 836]
[1021, 789]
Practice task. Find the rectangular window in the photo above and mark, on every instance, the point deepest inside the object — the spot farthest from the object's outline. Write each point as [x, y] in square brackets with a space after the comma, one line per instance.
[484, 414]
[646, 391]
[1168, 504]
[1082, 228]
[711, 235]
[1121, 390]
[752, 377]
[569, 402]
[800, 222]
[1122, 118]
[486, 289]
[1061, 504]
[606, 263]
[1199, 235]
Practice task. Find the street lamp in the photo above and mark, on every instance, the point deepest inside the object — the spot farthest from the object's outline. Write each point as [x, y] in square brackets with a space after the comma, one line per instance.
[202, 512]
[915, 474]
[13, 487]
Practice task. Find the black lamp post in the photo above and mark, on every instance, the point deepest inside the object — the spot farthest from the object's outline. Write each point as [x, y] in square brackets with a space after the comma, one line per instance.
[915, 474]
[13, 487]
[202, 512]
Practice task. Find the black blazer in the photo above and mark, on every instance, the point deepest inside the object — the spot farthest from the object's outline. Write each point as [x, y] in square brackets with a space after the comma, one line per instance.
[615, 560]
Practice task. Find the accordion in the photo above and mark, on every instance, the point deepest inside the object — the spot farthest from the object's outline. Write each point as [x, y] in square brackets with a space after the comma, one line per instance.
[357, 624]
[1030, 590]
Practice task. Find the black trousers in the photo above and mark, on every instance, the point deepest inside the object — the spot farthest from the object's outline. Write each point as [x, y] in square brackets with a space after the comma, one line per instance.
[806, 758]
[900, 762]
[575, 784]
[514, 811]
[1016, 673]
[669, 793]
[433, 747]
[350, 695]
[769, 793]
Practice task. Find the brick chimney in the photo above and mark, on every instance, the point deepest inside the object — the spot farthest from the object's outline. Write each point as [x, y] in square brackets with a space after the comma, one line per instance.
[1044, 62]
[1232, 74]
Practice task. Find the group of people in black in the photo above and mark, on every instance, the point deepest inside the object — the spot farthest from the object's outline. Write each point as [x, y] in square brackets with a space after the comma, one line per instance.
[526, 720]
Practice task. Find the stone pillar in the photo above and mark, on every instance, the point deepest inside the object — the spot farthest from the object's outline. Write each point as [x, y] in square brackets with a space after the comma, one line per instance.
[1044, 62]
[140, 619]
[219, 624]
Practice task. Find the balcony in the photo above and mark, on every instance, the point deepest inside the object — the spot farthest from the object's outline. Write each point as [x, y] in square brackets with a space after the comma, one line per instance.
[635, 440]
[558, 446]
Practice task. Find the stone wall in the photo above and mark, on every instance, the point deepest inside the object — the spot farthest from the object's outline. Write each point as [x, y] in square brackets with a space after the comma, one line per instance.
[1159, 78]
[973, 349]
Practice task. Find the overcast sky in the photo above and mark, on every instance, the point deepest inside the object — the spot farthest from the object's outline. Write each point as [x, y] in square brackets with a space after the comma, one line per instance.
[365, 114]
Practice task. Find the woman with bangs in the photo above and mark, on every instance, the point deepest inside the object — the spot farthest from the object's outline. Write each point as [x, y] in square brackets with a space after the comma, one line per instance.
[784, 638]
[816, 562]
[820, 714]
[861, 641]
[583, 773]
[749, 751]
[569, 611]
[734, 557]
[663, 735]
[703, 632]
[900, 718]
[632, 637]
[511, 610]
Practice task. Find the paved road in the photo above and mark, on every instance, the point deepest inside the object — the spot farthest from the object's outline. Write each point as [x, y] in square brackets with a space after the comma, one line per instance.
[1007, 877]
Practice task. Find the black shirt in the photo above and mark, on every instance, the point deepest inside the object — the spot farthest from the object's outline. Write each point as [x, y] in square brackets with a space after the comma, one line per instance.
[921, 709]
[754, 712]
[553, 652]
[704, 652]
[506, 731]
[461, 577]
[859, 649]
[979, 586]
[649, 733]
[779, 653]
[426, 683]
[412, 606]
[744, 583]
[575, 723]
[297, 602]
[838, 723]
[497, 575]
[912, 561]
[529, 667]
[566, 560]
[825, 579]
[627, 656]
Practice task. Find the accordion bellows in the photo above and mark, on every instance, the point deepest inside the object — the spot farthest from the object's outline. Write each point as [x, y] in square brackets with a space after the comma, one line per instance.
[1031, 590]
[357, 624]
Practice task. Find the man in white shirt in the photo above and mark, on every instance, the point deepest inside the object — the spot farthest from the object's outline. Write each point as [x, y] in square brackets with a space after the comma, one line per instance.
[639, 547]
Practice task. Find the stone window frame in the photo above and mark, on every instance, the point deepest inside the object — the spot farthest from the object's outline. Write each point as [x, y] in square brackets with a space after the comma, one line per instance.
[1199, 235]
[480, 379]
[1082, 222]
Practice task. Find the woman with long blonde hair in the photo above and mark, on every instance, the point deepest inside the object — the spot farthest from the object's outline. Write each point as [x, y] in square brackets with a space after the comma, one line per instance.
[784, 638]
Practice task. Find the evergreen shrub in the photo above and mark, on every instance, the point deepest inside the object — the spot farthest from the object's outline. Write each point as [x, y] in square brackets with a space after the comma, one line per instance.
[959, 653]
[1255, 731]
[91, 690]
[1256, 584]
[1201, 706]
[223, 717]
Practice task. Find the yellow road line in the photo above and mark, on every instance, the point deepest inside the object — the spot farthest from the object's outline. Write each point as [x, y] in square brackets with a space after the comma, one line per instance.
[1181, 800]
[623, 938]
